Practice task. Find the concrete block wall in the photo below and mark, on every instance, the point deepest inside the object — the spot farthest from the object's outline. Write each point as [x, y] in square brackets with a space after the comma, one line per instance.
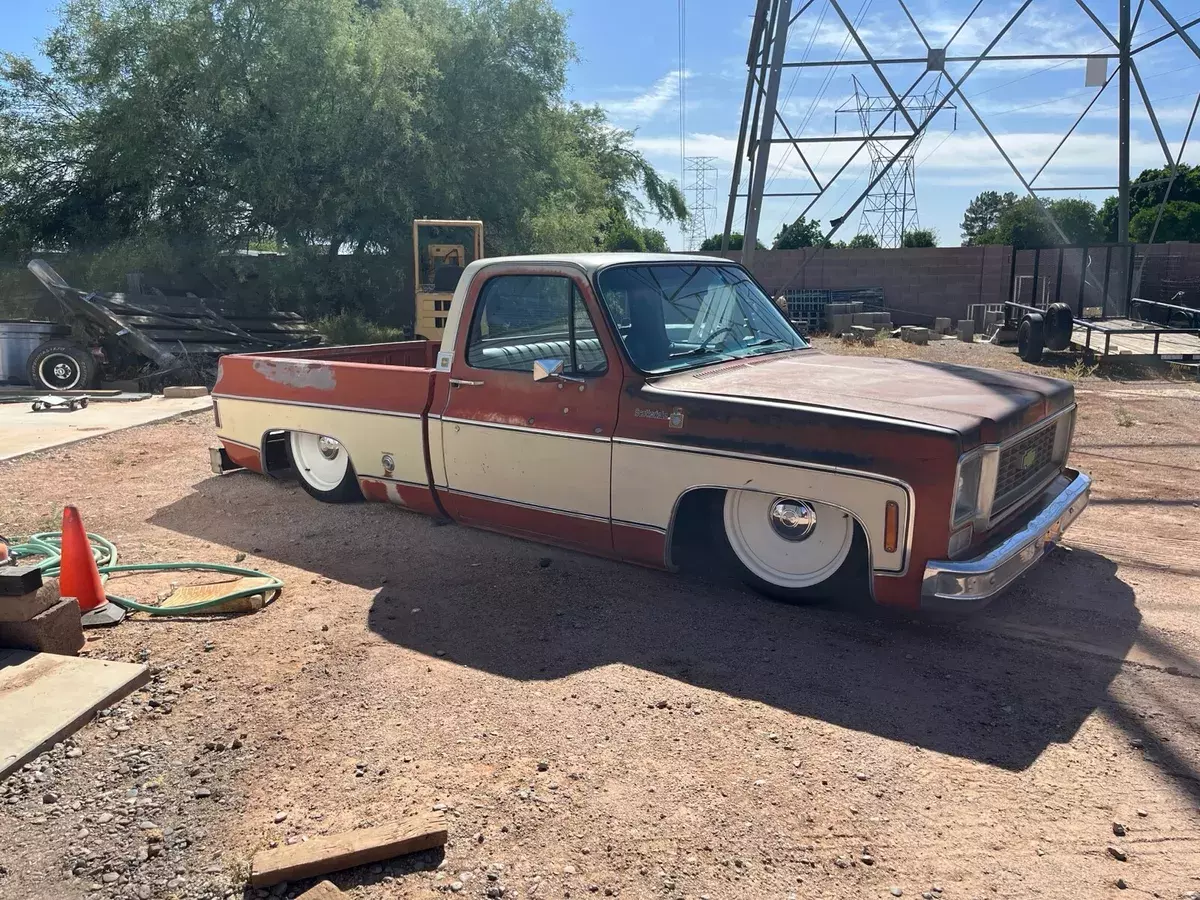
[921, 284]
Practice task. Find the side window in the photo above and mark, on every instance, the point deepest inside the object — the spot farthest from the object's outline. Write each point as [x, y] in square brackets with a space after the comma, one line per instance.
[520, 318]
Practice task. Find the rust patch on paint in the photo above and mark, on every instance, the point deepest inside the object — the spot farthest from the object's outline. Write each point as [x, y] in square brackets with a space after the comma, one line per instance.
[297, 373]
[374, 489]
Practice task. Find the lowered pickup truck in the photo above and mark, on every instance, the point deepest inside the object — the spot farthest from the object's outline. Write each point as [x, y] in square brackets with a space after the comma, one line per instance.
[597, 401]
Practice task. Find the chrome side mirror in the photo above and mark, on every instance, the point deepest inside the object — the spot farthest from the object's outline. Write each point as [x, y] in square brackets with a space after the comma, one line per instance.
[547, 369]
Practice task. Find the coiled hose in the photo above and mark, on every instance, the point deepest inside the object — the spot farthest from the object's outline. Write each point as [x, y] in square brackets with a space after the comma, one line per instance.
[48, 545]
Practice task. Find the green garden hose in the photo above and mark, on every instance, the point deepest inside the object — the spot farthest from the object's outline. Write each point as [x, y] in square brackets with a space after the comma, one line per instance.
[48, 544]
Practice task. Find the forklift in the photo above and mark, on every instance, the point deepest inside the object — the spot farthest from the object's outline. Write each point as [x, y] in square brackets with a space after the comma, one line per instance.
[442, 248]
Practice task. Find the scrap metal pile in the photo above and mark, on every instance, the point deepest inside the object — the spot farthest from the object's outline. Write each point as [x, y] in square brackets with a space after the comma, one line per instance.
[166, 337]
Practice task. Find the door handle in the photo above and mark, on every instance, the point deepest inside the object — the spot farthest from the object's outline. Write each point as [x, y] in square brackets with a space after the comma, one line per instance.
[462, 382]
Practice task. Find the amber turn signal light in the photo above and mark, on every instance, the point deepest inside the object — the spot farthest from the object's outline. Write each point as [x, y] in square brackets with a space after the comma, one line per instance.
[891, 526]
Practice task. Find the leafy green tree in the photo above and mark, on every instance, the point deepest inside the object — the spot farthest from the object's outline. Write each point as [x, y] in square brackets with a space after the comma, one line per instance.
[919, 237]
[863, 242]
[1145, 193]
[637, 239]
[736, 240]
[179, 130]
[801, 233]
[1023, 224]
[983, 214]
[1180, 222]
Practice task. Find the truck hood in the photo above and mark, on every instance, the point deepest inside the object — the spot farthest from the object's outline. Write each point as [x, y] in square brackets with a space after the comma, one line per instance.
[982, 405]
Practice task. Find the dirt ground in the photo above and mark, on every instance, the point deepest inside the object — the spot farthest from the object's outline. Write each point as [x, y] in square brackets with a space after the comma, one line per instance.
[599, 729]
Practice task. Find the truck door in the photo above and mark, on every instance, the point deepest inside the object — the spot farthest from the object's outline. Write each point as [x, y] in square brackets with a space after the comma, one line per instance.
[523, 455]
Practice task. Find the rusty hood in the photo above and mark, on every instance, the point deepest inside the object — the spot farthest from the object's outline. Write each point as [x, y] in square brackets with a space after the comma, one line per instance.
[983, 405]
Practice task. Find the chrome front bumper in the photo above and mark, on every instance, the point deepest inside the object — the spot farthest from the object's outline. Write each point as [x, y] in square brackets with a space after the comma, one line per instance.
[962, 585]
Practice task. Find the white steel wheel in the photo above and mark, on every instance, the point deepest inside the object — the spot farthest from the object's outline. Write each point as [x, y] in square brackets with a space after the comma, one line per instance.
[323, 467]
[786, 544]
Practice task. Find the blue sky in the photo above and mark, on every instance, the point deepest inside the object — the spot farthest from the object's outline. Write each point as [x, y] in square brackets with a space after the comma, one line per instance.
[629, 63]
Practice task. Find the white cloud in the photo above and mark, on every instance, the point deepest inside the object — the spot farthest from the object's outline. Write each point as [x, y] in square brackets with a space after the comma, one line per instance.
[647, 104]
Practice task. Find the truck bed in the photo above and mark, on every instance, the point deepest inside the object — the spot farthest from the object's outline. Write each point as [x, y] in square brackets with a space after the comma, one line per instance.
[375, 397]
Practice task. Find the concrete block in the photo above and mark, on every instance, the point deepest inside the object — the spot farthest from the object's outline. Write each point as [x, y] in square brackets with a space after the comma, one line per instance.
[941, 325]
[856, 306]
[992, 318]
[914, 334]
[25, 607]
[966, 330]
[863, 334]
[864, 318]
[883, 320]
[840, 324]
[183, 392]
[57, 630]
[837, 309]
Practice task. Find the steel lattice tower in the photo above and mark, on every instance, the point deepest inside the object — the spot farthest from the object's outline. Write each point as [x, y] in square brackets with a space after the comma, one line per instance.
[702, 199]
[890, 209]
[766, 60]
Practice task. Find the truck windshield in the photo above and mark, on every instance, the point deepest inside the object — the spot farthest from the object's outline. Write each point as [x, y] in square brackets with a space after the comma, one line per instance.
[678, 316]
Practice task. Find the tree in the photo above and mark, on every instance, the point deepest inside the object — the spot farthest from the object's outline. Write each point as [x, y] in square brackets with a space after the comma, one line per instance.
[919, 237]
[1146, 192]
[983, 215]
[1022, 223]
[632, 238]
[1180, 222]
[319, 125]
[735, 242]
[863, 242]
[801, 233]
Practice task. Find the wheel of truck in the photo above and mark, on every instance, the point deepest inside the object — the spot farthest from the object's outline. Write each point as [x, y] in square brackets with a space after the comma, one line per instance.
[323, 467]
[789, 549]
[1057, 325]
[61, 366]
[1030, 338]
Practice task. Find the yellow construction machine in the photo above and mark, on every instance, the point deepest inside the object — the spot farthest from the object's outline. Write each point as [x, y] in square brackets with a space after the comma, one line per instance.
[442, 248]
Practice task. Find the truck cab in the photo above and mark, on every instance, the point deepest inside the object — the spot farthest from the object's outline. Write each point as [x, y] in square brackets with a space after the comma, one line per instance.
[594, 400]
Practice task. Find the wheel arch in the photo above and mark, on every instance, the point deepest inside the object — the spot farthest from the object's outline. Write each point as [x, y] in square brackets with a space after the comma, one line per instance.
[701, 495]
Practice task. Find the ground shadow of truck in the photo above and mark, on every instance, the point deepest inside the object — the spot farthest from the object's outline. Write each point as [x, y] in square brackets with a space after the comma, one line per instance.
[486, 601]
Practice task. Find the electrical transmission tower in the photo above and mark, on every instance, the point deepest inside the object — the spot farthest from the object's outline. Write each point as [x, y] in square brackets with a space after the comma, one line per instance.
[701, 191]
[912, 105]
[890, 209]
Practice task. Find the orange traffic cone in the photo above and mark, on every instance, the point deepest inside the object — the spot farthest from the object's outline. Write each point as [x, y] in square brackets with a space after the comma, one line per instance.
[78, 576]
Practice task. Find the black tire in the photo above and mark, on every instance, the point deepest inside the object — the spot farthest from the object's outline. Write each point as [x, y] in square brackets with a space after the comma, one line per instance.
[345, 491]
[61, 366]
[1030, 338]
[1058, 325]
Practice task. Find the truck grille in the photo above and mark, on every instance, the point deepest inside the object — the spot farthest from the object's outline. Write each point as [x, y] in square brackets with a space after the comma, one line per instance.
[1023, 465]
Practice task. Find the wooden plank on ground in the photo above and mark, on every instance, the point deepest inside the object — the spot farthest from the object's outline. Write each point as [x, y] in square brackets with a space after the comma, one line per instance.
[45, 698]
[332, 852]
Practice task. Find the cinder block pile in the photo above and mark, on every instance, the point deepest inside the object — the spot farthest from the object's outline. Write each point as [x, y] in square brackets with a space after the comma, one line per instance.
[914, 334]
[34, 617]
[841, 317]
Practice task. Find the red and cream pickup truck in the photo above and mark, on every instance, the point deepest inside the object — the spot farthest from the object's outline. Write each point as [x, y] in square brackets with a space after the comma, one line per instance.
[598, 401]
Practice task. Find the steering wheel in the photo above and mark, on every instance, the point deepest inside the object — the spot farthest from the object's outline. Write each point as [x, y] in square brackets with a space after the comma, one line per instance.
[728, 329]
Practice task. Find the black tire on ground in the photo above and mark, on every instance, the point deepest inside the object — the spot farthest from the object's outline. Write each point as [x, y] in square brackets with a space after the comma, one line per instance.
[1059, 322]
[1030, 340]
[346, 490]
[60, 365]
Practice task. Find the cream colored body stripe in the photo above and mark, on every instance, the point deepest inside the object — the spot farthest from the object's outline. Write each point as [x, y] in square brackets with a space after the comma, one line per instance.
[648, 480]
[550, 470]
[366, 436]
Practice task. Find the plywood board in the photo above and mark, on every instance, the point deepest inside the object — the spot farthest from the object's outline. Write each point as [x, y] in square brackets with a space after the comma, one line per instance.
[332, 852]
[45, 698]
